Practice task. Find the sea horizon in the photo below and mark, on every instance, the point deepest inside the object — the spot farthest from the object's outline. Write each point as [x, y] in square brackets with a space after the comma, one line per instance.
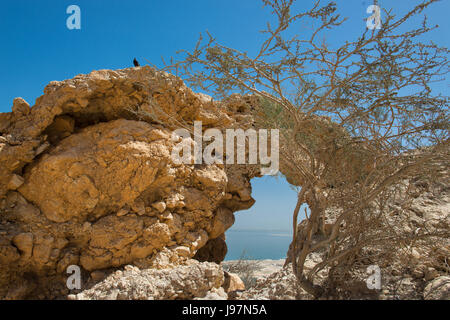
[257, 244]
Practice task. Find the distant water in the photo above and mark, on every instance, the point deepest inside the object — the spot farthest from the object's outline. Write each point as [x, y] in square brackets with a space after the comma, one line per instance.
[257, 244]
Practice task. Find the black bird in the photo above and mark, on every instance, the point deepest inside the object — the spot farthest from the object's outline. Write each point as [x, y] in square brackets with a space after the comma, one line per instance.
[136, 63]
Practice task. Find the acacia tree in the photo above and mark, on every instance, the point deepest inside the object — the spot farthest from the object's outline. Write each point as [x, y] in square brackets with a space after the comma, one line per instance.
[357, 120]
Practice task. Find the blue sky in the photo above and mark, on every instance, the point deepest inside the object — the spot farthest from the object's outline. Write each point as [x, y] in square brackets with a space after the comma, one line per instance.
[37, 48]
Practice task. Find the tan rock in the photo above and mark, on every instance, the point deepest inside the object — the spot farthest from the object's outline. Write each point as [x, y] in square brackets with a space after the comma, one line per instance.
[223, 219]
[122, 212]
[157, 234]
[15, 182]
[111, 241]
[160, 206]
[97, 179]
[24, 242]
[20, 107]
[232, 282]
[42, 148]
[42, 250]
[115, 232]
[139, 207]
[212, 178]
[128, 174]
[182, 251]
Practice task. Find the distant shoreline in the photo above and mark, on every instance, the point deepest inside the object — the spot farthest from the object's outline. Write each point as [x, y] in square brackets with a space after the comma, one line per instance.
[260, 230]
[256, 260]
[257, 244]
[260, 268]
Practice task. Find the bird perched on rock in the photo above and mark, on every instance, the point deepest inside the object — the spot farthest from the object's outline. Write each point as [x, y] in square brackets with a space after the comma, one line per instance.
[136, 63]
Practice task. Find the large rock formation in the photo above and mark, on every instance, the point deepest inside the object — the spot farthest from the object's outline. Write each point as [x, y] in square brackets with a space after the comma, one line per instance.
[87, 178]
[190, 281]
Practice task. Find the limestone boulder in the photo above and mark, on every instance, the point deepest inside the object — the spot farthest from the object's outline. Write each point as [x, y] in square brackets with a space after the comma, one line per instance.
[188, 281]
[87, 178]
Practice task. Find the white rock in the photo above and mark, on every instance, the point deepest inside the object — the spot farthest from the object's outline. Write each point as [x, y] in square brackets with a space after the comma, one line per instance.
[160, 206]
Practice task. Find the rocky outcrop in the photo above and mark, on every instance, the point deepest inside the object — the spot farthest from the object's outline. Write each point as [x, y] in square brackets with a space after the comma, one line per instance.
[87, 178]
[193, 280]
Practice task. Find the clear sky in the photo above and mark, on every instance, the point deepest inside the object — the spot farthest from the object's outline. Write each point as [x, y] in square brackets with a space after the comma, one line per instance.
[37, 47]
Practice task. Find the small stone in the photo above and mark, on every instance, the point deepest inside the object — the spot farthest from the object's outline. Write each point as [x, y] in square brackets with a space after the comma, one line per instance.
[122, 212]
[15, 165]
[160, 206]
[167, 215]
[139, 207]
[232, 282]
[24, 242]
[182, 251]
[15, 182]
[131, 268]
[42, 148]
[171, 203]
[20, 107]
